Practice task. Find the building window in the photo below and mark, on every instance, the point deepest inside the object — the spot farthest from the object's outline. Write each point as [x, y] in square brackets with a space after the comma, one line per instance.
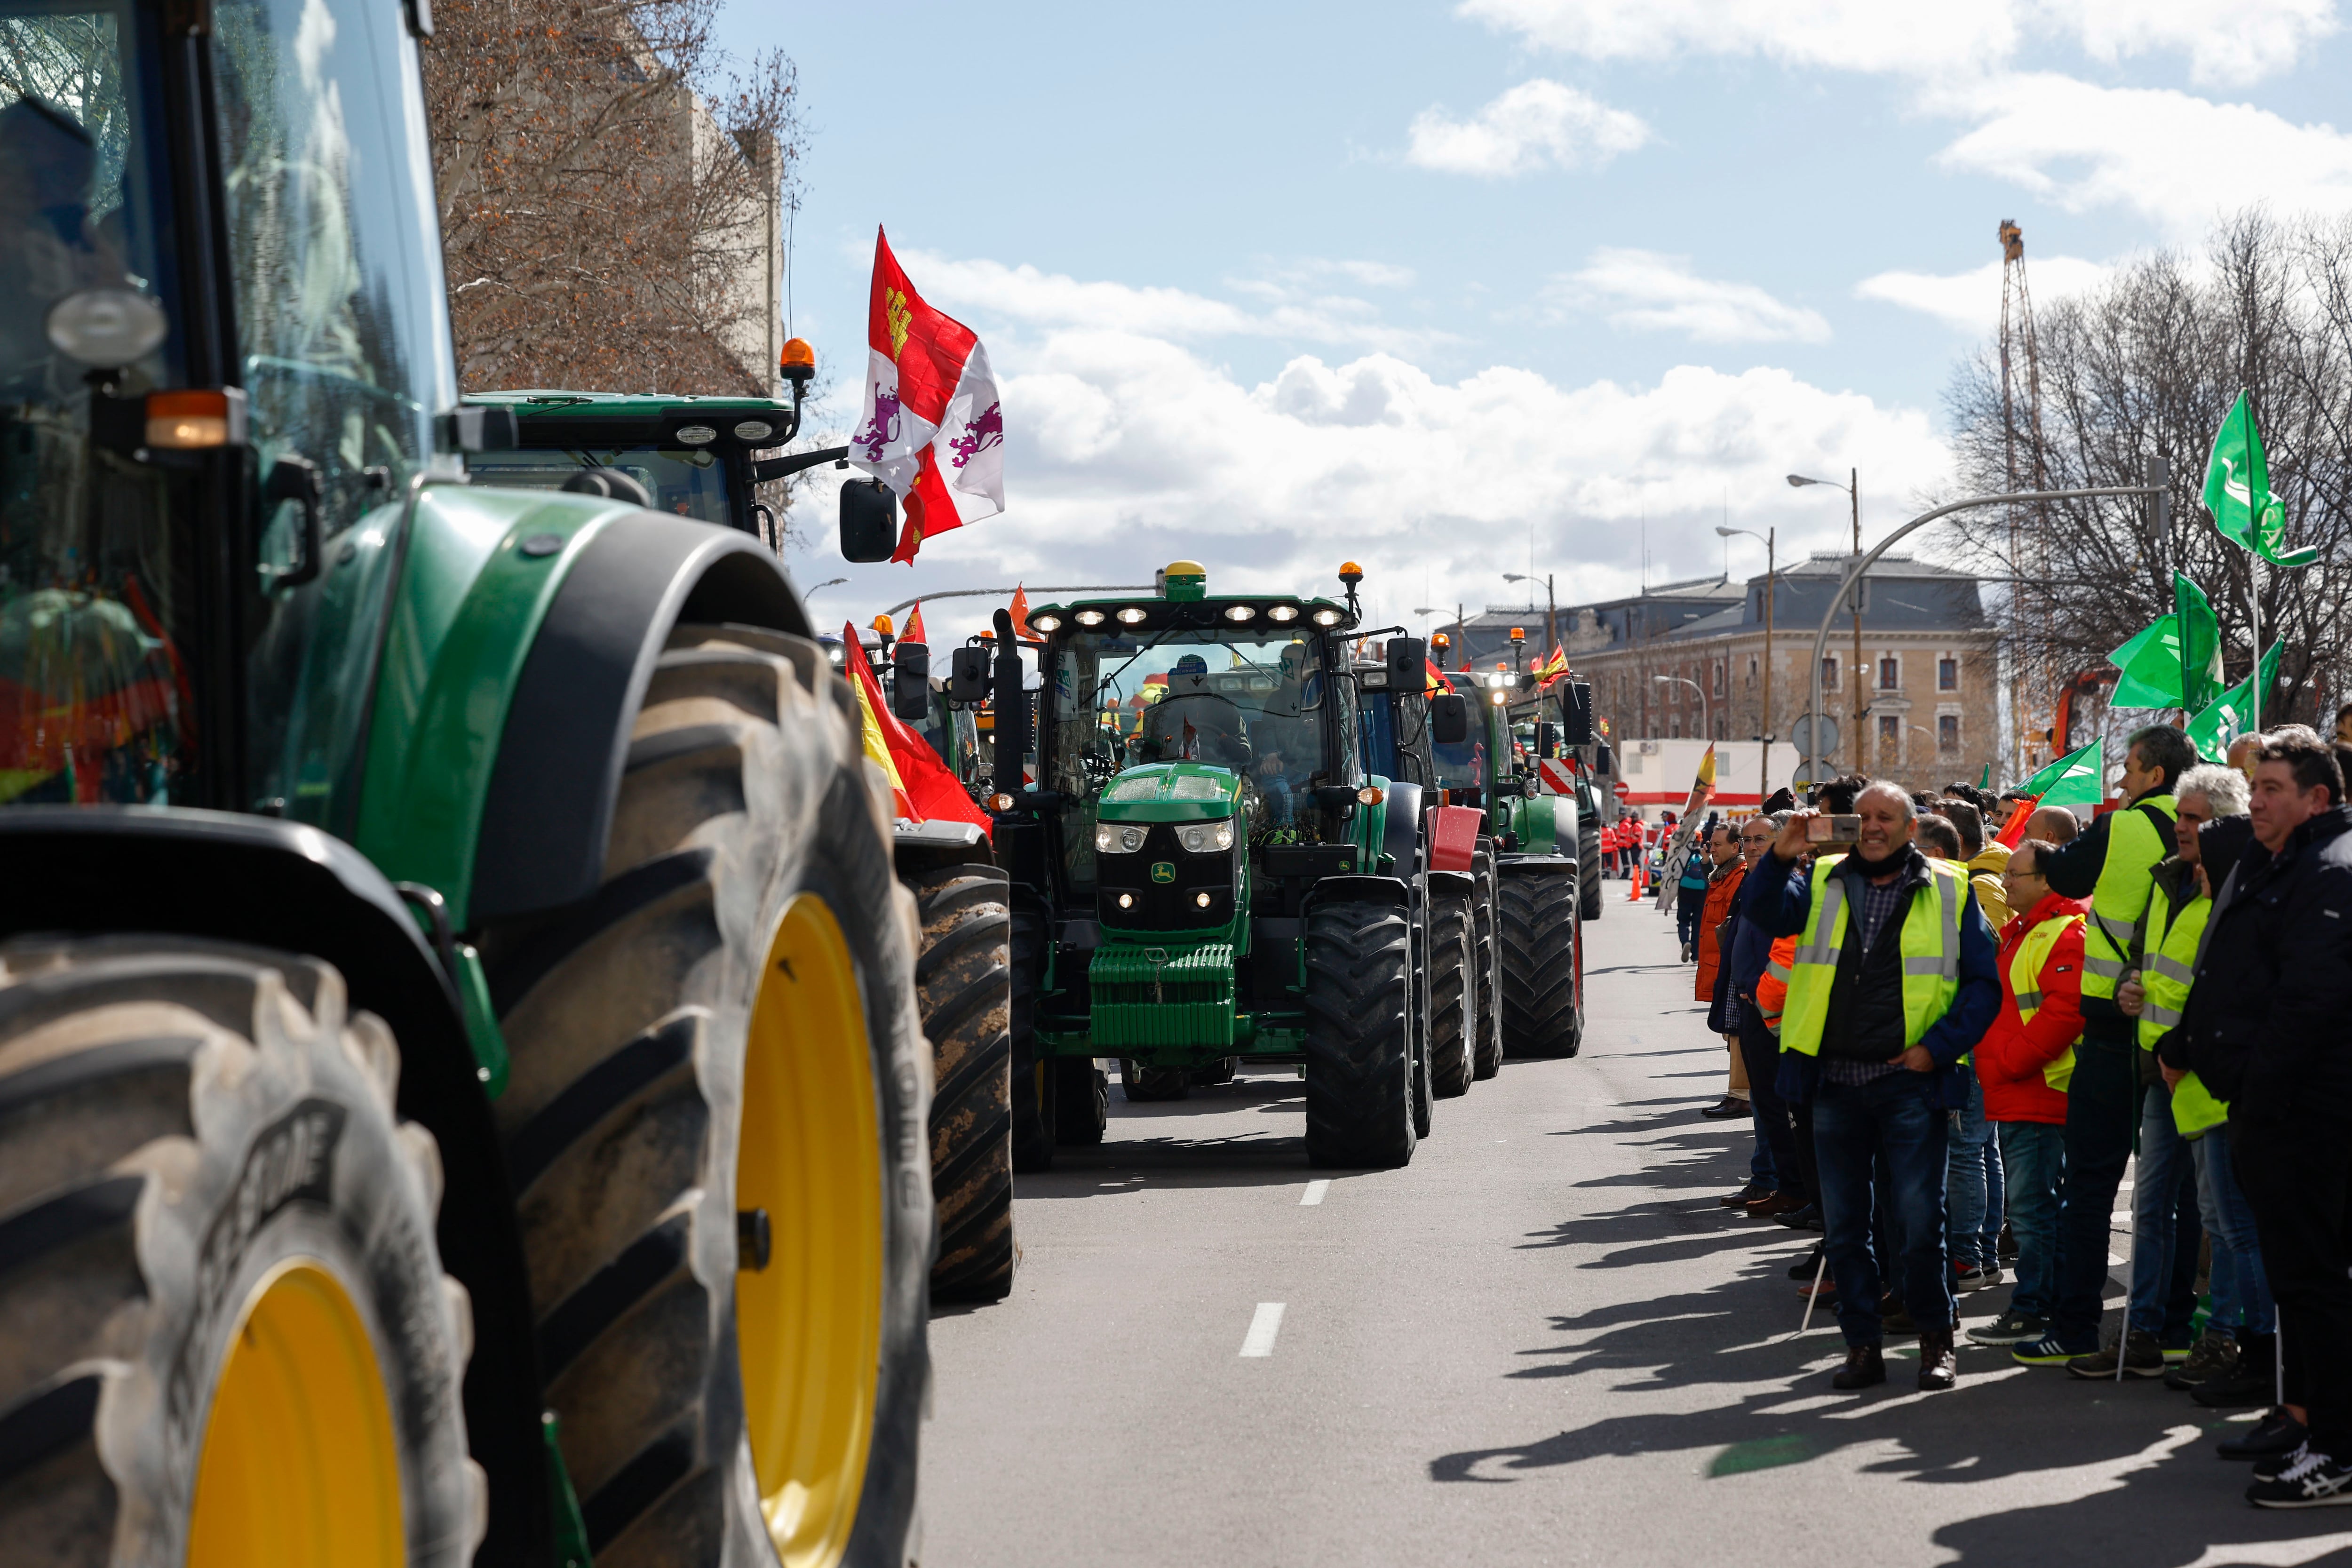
[1719, 678]
[1751, 672]
[1890, 673]
[1721, 727]
[1948, 730]
[1675, 727]
[1828, 673]
[1890, 730]
[1948, 675]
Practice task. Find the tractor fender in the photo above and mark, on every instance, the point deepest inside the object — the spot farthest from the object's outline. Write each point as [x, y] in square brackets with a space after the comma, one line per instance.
[547, 811]
[104, 870]
[1456, 884]
[1360, 889]
[1400, 831]
[1454, 836]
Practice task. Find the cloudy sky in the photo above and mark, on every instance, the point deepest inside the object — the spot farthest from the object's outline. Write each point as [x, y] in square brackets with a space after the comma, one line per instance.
[1448, 289]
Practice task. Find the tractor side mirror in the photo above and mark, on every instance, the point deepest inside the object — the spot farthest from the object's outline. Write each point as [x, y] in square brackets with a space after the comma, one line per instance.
[1576, 711]
[1604, 761]
[1449, 718]
[1407, 660]
[910, 687]
[869, 521]
[968, 677]
[1547, 740]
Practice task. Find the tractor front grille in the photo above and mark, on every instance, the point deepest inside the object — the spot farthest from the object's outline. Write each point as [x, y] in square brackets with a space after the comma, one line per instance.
[1155, 996]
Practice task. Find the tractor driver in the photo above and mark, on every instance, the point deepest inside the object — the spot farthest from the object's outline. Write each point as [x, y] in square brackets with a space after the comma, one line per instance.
[1283, 735]
[1194, 724]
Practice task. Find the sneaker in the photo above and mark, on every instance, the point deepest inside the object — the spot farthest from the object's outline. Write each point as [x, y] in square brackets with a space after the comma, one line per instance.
[1805, 1267]
[2211, 1356]
[1975, 1275]
[1745, 1195]
[2004, 1246]
[2276, 1433]
[2271, 1466]
[2010, 1328]
[2140, 1356]
[1806, 1218]
[1825, 1294]
[2045, 1352]
[1864, 1368]
[2175, 1354]
[1774, 1205]
[2314, 1480]
[1729, 1106]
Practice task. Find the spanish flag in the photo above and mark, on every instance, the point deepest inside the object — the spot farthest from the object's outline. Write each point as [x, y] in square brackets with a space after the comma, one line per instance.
[914, 632]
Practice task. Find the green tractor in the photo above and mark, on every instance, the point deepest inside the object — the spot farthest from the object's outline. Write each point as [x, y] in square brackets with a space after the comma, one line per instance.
[461, 1093]
[699, 457]
[1205, 872]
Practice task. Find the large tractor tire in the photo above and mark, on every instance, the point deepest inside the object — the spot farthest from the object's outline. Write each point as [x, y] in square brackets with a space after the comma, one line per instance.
[715, 1128]
[1035, 1118]
[1359, 1067]
[1148, 1084]
[1081, 1102]
[1587, 870]
[1225, 1069]
[1543, 1012]
[1487, 1060]
[1453, 994]
[962, 984]
[225, 1332]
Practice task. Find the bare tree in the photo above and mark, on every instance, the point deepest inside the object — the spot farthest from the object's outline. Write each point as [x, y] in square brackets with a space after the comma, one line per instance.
[610, 183]
[2149, 364]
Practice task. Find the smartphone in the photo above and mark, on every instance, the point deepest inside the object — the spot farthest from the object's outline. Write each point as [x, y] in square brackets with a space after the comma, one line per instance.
[1834, 830]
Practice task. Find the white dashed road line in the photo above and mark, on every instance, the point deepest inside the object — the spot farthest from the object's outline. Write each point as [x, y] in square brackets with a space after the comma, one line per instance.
[1264, 1326]
[1314, 1193]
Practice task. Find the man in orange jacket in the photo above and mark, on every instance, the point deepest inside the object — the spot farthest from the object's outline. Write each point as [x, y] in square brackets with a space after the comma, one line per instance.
[1725, 873]
[2024, 1062]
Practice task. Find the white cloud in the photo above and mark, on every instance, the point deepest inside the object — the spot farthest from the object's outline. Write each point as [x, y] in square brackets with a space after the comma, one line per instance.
[1127, 450]
[1971, 300]
[1643, 290]
[1534, 125]
[2178, 159]
[2238, 42]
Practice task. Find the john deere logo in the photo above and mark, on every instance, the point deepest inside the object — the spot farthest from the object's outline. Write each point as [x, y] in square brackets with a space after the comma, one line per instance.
[1163, 870]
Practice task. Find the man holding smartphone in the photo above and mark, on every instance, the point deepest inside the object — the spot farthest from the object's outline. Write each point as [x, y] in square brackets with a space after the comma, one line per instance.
[1895, 980]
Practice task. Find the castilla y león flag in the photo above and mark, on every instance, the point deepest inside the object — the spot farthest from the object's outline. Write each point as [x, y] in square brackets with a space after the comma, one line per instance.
[933, 428]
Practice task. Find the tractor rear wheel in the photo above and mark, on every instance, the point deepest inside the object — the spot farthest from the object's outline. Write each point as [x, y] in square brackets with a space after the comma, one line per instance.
[715, 1130]
[961, 984]
[1452, 994]
[1223, 1070]
[1359, 1067]
[227, 1336]
[1588, 868]
[1486, 1060]
[1143, 1083]
[1541, 1012]
[1034, 1118]
[1081, 1102]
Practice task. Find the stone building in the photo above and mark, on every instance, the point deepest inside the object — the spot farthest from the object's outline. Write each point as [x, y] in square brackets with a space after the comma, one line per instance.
[1929, 671]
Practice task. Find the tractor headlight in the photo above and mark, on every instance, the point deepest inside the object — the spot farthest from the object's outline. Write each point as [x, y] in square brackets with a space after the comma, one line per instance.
[1205, 837]
[1090, 617]
[1283, 613]
[1327, 617]
[1133, 616]
[1241, 612]
[1045, 623]
[1116, 838]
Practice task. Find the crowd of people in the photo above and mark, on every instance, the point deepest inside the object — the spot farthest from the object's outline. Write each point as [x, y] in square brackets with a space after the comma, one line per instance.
[1951, 1048]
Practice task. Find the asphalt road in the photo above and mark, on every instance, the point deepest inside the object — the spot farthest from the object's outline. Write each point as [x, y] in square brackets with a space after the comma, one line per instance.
[1542, 1341]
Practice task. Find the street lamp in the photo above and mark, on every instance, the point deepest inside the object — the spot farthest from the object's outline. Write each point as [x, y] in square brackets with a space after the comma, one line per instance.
[828, 582]
[1764, 769]
[1852, 489]
[1694, 686]
[1552, 606]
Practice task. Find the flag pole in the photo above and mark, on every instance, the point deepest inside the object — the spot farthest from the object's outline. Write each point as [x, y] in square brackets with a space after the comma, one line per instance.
[2255, 618]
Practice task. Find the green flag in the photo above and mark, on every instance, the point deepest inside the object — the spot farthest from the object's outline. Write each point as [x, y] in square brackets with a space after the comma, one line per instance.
[2238, 491]
[2078, 778]
[2223, 719]
[2150, 663]
[1984, 779]
[2200, 643]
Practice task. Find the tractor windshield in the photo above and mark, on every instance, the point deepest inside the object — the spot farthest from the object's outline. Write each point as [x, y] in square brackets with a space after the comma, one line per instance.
[94, 588]
[1253, 701]
[691, 481]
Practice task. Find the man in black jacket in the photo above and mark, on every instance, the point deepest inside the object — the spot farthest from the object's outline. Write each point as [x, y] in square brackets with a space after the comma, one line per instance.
[2268, 1028]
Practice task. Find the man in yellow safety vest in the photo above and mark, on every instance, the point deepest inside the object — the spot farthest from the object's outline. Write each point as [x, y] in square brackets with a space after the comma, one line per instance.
[2112, 864]
[1894, 980]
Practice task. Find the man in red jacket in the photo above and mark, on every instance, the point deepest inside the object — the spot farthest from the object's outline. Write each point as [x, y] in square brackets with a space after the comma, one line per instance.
[2024, 1061]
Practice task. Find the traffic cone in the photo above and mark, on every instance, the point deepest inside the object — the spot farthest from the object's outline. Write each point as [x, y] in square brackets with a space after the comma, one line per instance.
[1641, 874]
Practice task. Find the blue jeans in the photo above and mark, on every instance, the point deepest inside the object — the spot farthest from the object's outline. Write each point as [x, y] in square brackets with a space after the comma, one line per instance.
[1760, 1163]
[2165, 1228]
[1690, 903]
[1890, 1123]
[1973, 1181]
[2101, 1112]
[2034, 1162]
[2241, 1291]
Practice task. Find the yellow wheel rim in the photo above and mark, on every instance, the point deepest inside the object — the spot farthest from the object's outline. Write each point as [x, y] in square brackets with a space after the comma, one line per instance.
[298, 1462]
[809, 1326]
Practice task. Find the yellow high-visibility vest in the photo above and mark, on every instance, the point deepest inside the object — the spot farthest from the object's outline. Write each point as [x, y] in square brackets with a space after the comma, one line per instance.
[2166, 975]
[2120, 898]
[1930, 943]
[2025, 984]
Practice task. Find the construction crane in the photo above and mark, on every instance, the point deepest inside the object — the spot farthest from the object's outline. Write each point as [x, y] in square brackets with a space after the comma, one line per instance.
[2020, 413]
